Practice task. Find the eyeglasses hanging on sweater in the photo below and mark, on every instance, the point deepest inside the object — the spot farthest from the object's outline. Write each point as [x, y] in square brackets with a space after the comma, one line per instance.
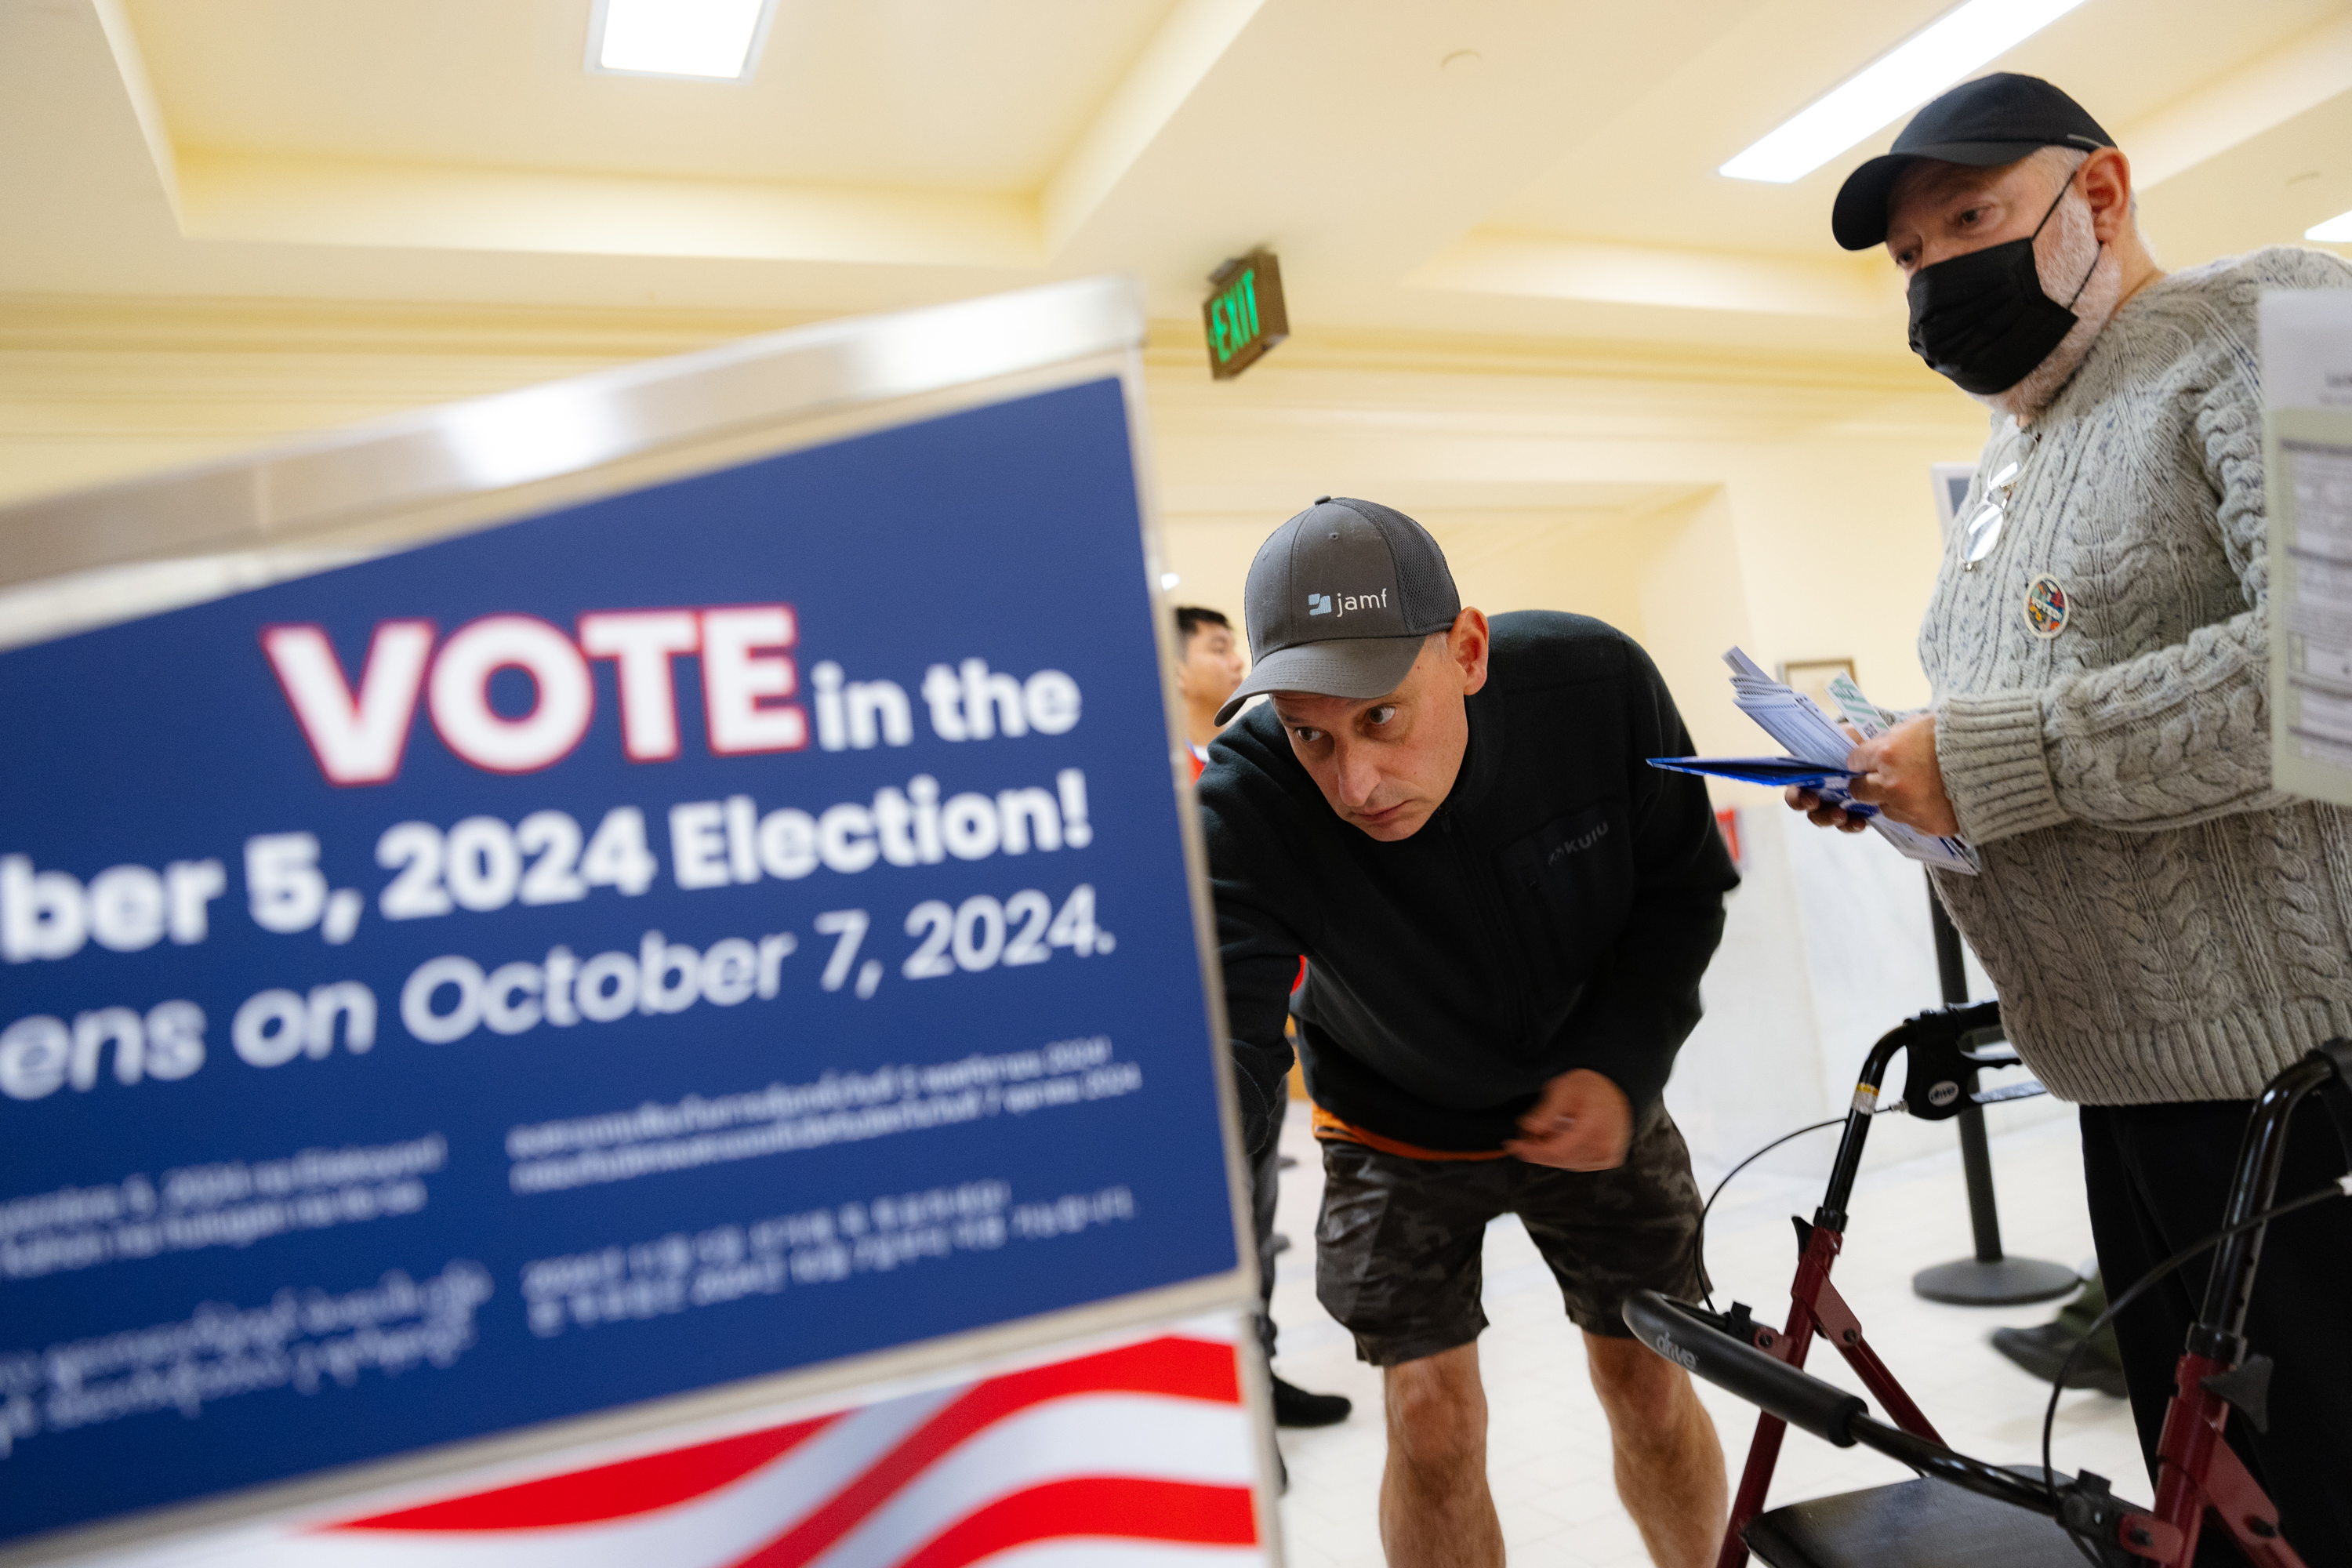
[1984, 525]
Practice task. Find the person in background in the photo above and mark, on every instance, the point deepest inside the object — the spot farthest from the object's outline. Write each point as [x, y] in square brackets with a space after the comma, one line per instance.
[1208, 666]
[1506, 913]
[2166, 930]
[2043, 1349]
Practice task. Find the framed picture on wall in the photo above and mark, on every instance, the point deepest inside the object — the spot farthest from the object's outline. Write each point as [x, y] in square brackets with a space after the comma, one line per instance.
[1812, 676]
[1952, 481]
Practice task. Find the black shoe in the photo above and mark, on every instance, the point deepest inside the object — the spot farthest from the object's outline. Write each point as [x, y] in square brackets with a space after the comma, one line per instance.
[1294, 1407]
[2042, 1351]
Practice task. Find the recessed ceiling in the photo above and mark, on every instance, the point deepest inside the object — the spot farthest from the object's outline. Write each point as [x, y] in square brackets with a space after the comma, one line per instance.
[2280, 183]
[904, 94]
[1535, 169]
[1648, 176]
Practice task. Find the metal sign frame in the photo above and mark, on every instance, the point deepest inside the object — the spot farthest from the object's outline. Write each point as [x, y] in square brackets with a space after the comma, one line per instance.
[116, 554]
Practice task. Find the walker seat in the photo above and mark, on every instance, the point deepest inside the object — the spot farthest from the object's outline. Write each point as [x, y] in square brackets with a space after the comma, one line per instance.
[1916, 1523]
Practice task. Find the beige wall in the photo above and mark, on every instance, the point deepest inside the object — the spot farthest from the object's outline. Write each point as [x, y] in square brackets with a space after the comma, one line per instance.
[1786, 505]
[1564, 558]
[1693, 501]
[93, 390]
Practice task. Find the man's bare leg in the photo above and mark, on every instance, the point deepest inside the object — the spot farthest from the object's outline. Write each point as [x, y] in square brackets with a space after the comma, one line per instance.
[1669, 1463]
[1435, 1510]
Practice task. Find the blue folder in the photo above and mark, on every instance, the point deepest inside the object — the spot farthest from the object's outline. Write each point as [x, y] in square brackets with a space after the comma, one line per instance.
[1831, 782]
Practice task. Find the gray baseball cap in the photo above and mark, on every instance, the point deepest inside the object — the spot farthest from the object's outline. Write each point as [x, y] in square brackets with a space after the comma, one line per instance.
[1339, 600]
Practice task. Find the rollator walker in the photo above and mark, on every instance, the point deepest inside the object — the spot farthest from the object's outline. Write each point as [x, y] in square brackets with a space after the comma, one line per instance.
[1963, 1512]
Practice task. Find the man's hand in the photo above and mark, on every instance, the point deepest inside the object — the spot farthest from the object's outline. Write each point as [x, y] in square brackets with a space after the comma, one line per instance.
[1901, 777]
[1582, 1123]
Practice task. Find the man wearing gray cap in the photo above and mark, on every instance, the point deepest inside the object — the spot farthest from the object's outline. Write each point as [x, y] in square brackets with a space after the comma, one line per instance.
[2166, 928]
[1506, 912]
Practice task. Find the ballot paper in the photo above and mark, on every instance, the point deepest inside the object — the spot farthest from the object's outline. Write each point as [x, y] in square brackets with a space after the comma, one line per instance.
[1809, 735]
[1869, 720]
[2306, 348]
[2307, 426]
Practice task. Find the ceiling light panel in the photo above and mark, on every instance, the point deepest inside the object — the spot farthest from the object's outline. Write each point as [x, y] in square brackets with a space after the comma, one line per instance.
[705, 40]
[2337, 230]
[1954, 45]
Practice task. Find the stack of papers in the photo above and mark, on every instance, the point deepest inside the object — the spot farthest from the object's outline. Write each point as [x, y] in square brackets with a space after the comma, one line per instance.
[1816, 755]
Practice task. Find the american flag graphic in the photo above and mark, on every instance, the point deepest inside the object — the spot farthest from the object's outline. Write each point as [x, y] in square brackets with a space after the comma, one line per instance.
[1138, 1456]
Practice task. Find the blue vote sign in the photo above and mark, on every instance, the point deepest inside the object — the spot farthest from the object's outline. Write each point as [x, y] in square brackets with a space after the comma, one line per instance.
[674, 940]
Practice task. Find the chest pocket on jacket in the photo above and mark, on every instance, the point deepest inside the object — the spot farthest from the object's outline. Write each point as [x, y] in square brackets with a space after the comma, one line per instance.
[1571, 881]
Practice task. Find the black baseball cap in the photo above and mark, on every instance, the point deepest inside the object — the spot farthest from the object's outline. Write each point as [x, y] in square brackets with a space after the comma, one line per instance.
[1994, 120]
[1339, 600]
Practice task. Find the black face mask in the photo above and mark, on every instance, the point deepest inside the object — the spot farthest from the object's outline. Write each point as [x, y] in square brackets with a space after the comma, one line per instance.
[1982, 319]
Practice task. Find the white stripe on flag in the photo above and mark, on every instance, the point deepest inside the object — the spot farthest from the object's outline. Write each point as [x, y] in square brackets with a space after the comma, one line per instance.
[706, 1532]
[1134, 1435]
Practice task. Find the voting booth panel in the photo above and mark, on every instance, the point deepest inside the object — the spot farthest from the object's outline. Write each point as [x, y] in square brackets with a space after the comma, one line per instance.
[698, 907]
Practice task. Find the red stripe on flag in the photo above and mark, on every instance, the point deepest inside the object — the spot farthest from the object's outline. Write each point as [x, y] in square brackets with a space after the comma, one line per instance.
[1179, 1368]
[1118, 1507]
[608, 1491]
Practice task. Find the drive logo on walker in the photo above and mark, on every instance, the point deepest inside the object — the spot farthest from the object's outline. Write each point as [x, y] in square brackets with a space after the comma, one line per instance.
[676, 938]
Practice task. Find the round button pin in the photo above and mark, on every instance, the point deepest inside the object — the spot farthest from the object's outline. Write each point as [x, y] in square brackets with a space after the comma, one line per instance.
[2046, 608]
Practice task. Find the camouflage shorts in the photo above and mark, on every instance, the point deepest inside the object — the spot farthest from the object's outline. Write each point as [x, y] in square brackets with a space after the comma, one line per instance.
[1398, 1242]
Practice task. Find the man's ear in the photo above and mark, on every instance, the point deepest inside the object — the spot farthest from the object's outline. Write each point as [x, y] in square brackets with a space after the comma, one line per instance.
[2107, 182]
[1467, 643]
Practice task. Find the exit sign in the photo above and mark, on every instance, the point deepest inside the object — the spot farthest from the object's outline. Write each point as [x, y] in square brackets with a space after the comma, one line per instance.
[1244, 313]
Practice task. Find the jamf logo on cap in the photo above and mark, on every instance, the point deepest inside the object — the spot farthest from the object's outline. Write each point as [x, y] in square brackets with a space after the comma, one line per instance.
[1322, 604]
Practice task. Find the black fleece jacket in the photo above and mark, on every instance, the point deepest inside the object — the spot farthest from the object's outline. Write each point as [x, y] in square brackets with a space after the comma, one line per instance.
[1556, 913]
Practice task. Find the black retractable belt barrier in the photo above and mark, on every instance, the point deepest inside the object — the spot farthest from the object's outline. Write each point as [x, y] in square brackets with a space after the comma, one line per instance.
[1991, 1279]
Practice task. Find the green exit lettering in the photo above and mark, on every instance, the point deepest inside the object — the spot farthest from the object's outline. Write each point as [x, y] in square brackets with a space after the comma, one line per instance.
[1244, 314]
[1233, 317]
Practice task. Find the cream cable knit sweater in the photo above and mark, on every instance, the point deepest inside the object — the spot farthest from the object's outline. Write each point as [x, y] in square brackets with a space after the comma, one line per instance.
[2162, 923]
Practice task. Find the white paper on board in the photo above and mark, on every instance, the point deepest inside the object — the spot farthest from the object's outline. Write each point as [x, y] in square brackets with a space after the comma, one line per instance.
[2306, 338]
[2306, 345]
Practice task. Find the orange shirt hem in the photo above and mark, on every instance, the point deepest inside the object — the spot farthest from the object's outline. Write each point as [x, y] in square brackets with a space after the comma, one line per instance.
[1331, 1130]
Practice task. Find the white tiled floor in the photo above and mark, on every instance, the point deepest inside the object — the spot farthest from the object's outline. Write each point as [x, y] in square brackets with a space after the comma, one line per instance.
[1549, 1445]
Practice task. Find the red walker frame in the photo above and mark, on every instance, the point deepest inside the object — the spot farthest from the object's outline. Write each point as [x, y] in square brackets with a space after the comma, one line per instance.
[2198, 1473]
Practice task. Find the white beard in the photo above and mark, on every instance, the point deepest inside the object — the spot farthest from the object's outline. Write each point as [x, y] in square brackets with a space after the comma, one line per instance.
[2068, 249]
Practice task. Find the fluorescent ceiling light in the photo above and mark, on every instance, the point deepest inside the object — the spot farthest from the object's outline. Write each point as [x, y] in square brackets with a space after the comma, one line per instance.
[2337, 229]
[1956, 44]
[1168, 580]
[709, 39]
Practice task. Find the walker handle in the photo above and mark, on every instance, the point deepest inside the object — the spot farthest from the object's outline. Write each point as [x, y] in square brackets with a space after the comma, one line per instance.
[1803, 1401]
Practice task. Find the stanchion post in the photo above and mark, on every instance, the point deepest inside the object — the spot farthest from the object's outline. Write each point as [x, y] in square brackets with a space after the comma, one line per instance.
[1991, 1279]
